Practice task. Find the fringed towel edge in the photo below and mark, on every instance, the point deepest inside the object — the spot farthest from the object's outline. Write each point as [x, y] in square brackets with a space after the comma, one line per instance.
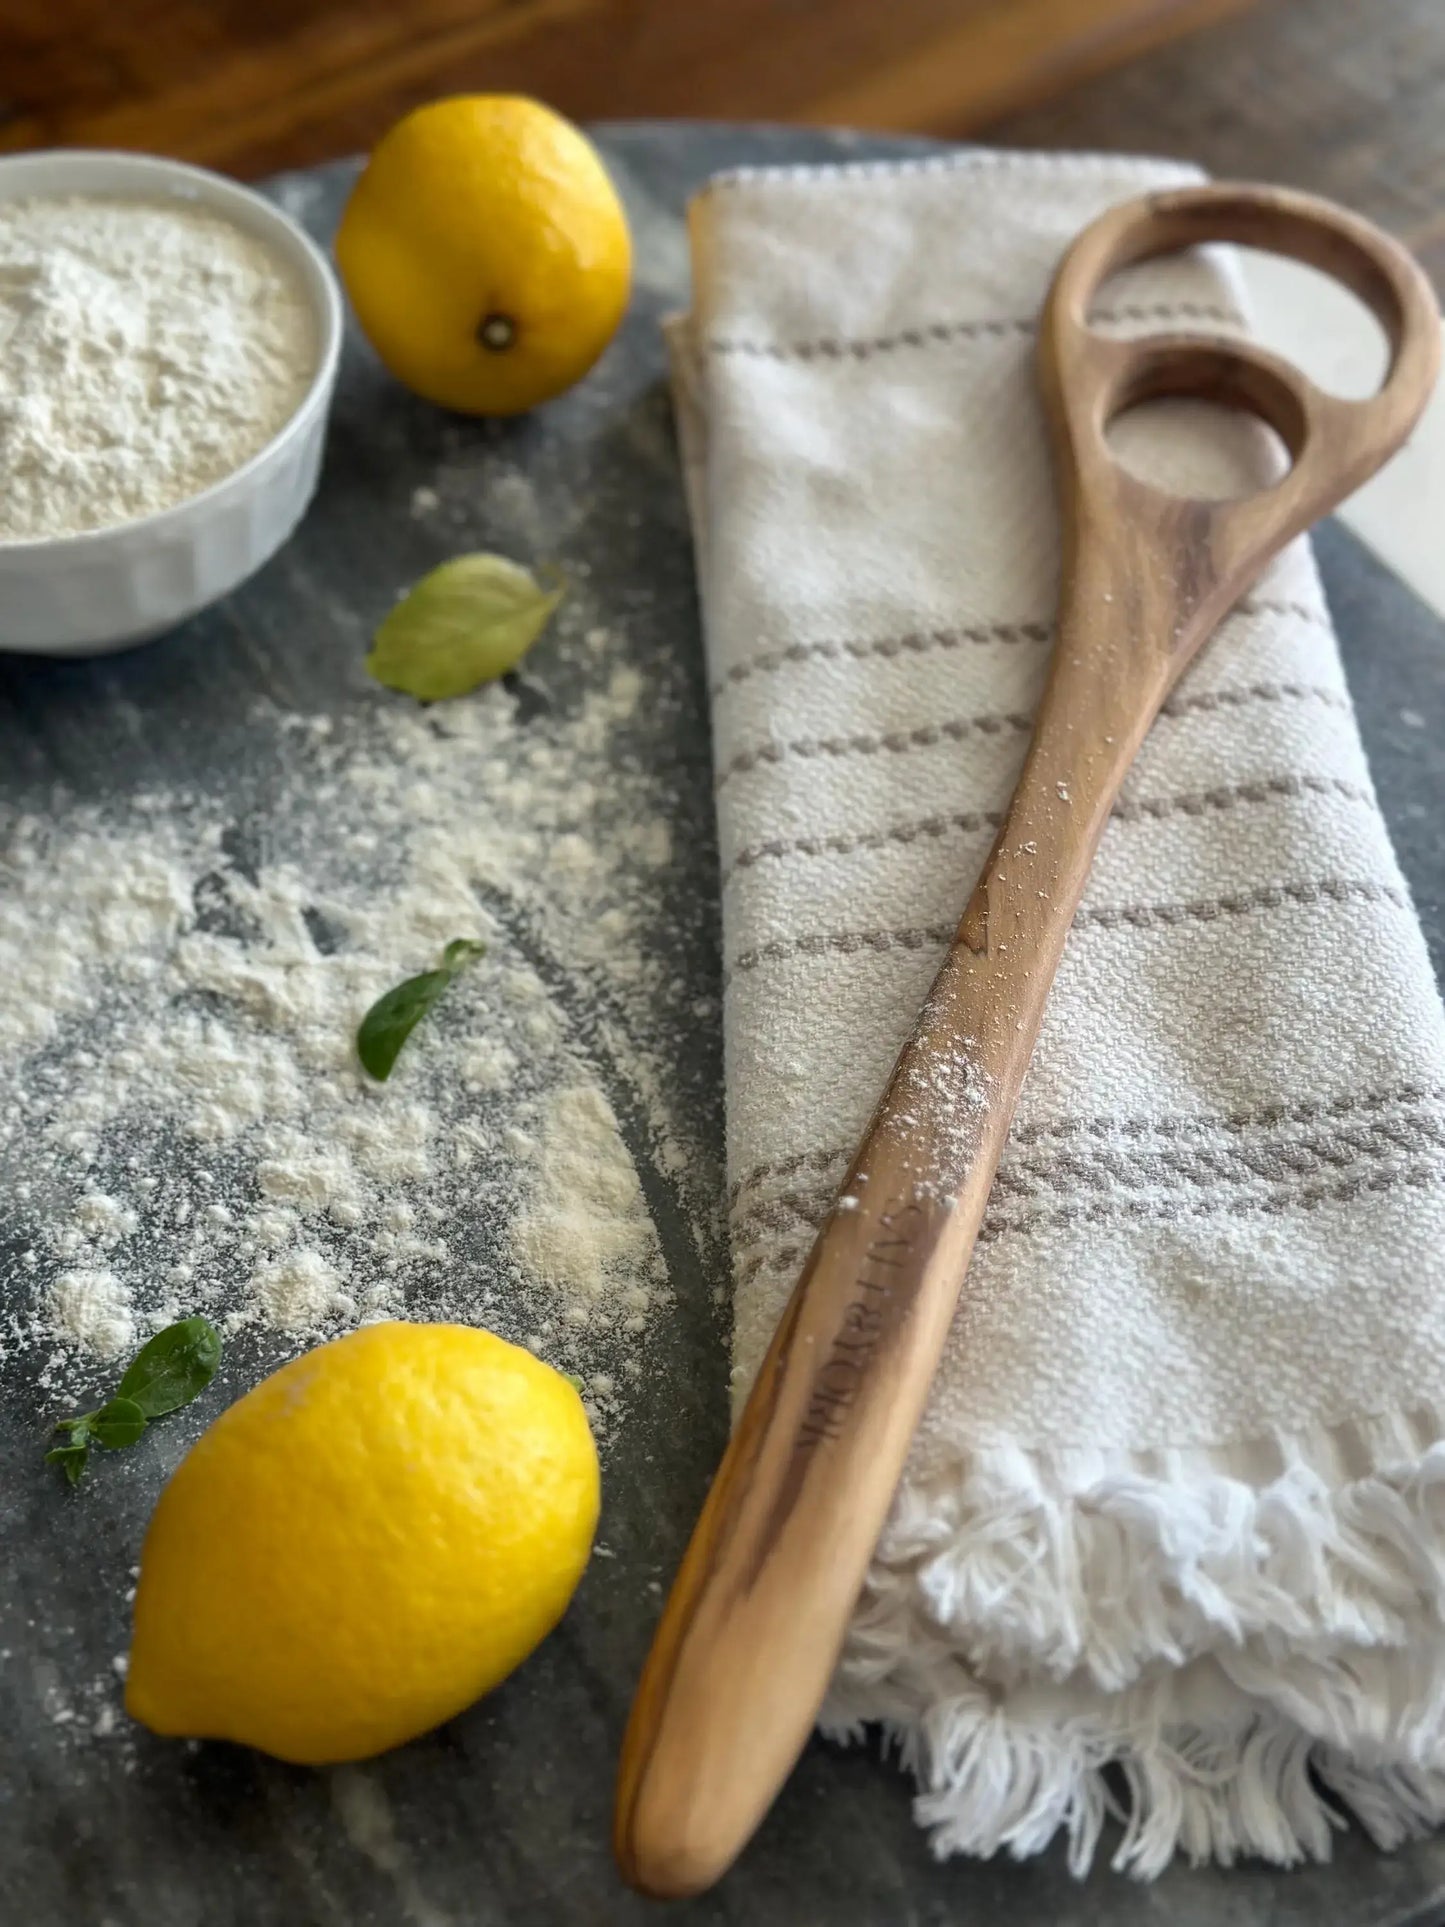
[1227, 1669]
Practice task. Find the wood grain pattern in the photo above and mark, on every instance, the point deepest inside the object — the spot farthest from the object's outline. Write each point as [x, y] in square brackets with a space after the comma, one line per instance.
[280, 83]
[1002, 57]
[1344, 98]
[752, 1629]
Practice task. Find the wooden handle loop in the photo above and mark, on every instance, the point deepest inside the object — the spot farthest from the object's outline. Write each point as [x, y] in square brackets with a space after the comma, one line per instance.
[1334, 444]
[1277, 221]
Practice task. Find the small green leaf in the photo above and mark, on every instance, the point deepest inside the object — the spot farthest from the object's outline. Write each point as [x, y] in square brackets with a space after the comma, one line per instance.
[393, 1018]
[168, 1371]
[577, 1384]
[172, 1368]
[397, 1012]
[468, 622]
[119, 1422]
[72, 1458]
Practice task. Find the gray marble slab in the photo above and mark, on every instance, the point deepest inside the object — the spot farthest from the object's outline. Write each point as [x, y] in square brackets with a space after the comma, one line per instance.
[503, 1815]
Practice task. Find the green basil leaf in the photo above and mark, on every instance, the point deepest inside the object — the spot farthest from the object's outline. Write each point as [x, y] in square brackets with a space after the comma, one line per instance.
[397, 1012]
[72, 1458]
[172, 1368]
[468, 622]
[393, 1018]
[119, 1422]
[168, 1371]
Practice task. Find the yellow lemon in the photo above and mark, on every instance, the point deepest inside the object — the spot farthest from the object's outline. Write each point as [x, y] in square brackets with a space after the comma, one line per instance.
[486, 253]
[364, 1544]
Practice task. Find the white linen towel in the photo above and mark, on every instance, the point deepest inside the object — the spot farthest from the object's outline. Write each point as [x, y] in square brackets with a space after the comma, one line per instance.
[1177, 1508]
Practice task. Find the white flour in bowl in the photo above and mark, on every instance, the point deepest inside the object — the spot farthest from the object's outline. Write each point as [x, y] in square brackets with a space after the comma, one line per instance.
[147, 350]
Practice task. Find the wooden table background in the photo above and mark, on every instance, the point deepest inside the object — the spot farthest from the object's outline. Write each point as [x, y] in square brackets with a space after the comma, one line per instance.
[1344, 96]
[252, 85]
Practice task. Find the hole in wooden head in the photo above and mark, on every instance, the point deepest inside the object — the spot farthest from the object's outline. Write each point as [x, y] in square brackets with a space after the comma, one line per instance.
[1192, 291]
[1208, 450]
[1202, 421]
[1315, 321]
[1308, 317]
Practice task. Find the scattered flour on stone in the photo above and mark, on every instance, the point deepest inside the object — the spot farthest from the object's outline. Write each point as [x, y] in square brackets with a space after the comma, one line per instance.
[584, 1232]
[185, 1126]
[92, 1308]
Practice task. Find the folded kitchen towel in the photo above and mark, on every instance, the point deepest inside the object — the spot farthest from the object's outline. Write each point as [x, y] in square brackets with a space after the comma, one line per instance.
[1170, 1545]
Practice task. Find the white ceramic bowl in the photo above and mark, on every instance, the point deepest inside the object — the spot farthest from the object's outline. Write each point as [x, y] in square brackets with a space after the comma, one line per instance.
[79, 595]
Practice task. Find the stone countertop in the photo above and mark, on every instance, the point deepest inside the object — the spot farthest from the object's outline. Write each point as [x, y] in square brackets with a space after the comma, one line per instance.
[503, 1815]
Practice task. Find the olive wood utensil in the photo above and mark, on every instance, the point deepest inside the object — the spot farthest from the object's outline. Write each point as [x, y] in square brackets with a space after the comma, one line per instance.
[756, 1618]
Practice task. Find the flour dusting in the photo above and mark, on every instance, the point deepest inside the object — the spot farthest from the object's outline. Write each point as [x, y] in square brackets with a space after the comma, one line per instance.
[92, 1308]
[187, 1128]
[585, 1233]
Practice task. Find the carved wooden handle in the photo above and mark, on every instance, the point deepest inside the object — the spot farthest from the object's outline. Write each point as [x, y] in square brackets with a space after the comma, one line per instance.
[755, 1621]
